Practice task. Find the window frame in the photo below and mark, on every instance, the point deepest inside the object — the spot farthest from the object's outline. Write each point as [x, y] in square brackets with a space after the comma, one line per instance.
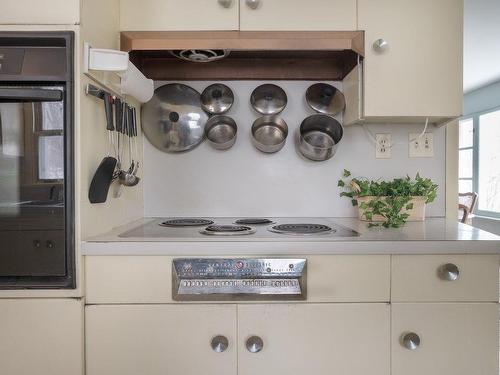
[476, 127]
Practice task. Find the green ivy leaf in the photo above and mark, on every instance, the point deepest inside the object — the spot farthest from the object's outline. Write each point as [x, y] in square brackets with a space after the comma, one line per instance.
[341, 183]
[354, 202]
[346, 173]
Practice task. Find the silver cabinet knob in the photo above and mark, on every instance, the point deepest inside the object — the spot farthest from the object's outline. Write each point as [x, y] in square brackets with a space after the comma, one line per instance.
[253, 4]
[380, 45]
[410, 341]
[225, 3]
[448, 272]
[219, 344]
[254, 344]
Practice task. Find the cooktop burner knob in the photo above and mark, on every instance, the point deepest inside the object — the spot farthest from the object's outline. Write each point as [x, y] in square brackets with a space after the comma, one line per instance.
[239, 264]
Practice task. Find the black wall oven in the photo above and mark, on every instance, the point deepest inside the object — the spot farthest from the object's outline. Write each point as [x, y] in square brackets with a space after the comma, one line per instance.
[36, 160]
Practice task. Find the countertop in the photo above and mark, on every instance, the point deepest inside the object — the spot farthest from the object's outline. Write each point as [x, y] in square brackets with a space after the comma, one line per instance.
[433, 236]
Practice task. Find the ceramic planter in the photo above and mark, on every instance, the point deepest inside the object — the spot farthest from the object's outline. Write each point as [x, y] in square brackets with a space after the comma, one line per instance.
[417, 213]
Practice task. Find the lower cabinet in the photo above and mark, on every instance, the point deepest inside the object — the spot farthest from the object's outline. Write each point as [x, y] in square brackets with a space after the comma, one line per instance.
[159, 339]
[320, 339]
[445, 338]
[190, 339]
[41, 336]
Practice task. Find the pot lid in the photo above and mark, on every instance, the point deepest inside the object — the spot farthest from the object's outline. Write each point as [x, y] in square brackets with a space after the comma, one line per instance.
[217, 98]
[173, 120]
[325, 98]
[268, 99]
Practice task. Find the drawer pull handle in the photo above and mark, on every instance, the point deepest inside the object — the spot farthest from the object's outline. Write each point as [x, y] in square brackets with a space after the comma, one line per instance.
[410, 341]
[448, 272]
[254, 344]
[225, 3]
[253, 4]
[219, 343]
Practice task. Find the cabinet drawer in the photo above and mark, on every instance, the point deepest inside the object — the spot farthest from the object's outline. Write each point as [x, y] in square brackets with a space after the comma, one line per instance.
[148, 279]
[36, 12]
[423, 278]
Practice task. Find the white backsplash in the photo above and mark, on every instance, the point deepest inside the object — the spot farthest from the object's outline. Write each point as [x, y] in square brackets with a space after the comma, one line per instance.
[243, 181]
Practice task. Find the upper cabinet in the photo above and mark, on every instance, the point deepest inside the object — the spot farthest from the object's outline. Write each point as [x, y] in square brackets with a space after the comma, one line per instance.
[36, 12]
[413, 63]
[172, 15]
[297, 15]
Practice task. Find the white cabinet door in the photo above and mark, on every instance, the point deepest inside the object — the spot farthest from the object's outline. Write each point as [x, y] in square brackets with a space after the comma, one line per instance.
[307, 15]
[37, 12]
[319, 339]
[159, 339]
[167, 15]
[420, 72]
[41, 336]
[458, 339]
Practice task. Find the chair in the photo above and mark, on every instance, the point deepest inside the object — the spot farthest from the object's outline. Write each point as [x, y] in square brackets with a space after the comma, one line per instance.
[466, 204]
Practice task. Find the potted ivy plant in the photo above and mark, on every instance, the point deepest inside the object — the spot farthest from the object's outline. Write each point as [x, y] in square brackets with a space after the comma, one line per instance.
[389, 203]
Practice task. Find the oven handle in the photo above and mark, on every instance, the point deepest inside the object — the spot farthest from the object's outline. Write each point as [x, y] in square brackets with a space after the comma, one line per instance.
[20, 94]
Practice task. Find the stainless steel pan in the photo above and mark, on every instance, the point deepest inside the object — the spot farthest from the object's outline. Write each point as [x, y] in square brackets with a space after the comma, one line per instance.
[269, 133]
[319, 136]
[221, 132]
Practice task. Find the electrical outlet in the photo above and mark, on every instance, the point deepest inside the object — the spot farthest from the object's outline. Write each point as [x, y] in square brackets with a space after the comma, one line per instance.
[383, 146]
[422, 147]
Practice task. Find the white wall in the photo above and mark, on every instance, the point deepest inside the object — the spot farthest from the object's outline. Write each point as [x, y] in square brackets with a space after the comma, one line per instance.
[242, 181]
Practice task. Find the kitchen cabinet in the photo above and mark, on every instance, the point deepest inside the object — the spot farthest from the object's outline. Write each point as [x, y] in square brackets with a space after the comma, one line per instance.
[160, 339]
[36, 12]
[444, 278]
[171, 15]
[312, 15]
[416, 69]
[458, 339]
[314, 339]
[41, 336]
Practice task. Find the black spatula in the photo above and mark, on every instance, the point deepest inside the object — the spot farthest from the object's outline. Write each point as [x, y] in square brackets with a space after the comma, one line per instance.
[103, 176]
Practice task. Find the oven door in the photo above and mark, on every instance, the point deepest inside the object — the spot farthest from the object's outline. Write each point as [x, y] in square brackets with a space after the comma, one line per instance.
[33, 170]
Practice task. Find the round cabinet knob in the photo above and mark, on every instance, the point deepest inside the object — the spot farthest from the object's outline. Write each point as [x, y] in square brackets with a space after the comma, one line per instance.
[219, 344]
[410, 341]
[225, 3]
[380, 45]
[448, 272]
[253, 4]
[254, 344]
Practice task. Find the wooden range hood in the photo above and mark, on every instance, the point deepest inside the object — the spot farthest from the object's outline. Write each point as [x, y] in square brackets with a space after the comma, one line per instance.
[284, 55]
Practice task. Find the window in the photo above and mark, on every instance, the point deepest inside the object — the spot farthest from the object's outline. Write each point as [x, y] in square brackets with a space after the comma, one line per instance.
[479, 160]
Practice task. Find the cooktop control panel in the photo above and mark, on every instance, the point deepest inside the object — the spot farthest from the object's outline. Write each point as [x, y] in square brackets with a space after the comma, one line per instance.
[216, 279]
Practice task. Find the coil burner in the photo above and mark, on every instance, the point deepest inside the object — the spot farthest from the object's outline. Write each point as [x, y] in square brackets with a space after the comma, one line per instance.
[186, 222]
[301, 229]
[227, 230]
[254, 221]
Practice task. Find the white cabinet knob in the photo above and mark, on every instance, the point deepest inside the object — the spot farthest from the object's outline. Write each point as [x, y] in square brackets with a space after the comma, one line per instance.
[381, 45]
[253, 4]
[410, 341]
[448, 272]
[225, 3]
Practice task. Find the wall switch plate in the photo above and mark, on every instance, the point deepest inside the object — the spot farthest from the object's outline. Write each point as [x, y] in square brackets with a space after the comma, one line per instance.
[383, 146]
[422, 147]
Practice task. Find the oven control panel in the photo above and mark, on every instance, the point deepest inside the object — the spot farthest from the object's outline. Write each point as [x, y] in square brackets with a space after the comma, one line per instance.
[216, 279]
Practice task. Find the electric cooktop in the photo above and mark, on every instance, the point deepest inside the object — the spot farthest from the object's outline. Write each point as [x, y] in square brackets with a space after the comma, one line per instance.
[185, 228]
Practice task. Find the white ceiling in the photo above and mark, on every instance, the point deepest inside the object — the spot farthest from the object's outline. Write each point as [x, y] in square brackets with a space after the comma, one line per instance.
[481, 43]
